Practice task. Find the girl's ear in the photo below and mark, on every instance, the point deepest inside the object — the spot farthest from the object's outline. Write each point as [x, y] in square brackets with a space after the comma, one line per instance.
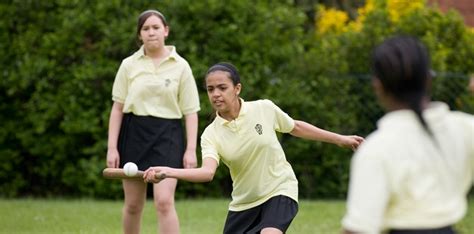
[378, 87]
[238, 88]
[384, 98]
[167, 31]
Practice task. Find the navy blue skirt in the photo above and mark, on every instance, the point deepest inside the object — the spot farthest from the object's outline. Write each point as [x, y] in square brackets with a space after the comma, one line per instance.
[150, 141]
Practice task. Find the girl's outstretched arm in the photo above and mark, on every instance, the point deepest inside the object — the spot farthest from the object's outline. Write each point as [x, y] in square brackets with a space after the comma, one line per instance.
[308, 131]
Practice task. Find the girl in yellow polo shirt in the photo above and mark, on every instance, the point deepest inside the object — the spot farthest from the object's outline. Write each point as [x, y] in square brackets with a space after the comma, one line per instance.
[153, 89]
[243, 136]
[412, 175]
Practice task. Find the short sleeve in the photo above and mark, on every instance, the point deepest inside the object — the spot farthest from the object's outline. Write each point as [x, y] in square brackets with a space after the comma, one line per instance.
[283, 122]
[188, 97]
[368, 193]
[120, 86]
[208, 146]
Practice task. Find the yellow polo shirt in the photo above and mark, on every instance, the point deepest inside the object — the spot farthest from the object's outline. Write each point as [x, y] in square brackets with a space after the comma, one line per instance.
[166, 91]
[401, 179]
[249, 147]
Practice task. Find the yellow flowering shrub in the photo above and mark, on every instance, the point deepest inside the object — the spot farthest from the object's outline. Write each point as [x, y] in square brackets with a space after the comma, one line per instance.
[330, 20]
[398, 8]
[356, 25]
[336, 21]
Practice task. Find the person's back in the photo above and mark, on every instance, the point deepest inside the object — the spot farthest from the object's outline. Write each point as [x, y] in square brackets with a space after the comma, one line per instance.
[413, 173]
[427, 179]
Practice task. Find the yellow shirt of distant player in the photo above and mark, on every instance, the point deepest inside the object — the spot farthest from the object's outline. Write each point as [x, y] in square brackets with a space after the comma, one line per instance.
[166, 91]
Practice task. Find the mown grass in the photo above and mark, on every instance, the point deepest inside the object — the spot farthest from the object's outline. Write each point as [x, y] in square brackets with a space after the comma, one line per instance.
[196, 216]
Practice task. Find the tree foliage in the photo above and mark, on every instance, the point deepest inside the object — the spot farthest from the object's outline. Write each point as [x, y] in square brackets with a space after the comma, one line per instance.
[60, 58]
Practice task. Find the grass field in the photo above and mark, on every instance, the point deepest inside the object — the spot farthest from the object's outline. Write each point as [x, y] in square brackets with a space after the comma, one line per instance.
[196, 216]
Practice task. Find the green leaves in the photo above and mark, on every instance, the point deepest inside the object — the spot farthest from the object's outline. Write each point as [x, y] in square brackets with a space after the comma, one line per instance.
[59, 59]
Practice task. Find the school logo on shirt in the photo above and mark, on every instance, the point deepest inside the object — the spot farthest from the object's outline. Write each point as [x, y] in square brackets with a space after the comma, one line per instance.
[259, 129]
[167, 82]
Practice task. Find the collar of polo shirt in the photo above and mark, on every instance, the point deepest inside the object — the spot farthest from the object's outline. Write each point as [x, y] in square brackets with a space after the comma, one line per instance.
[242, 112]
[173, 54]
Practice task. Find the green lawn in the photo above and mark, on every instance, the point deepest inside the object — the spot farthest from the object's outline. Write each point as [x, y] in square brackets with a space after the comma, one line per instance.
[196, 216]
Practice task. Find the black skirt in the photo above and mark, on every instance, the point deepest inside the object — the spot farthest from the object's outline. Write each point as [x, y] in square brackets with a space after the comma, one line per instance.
[150, 141]
[278, 212]
[443, 230]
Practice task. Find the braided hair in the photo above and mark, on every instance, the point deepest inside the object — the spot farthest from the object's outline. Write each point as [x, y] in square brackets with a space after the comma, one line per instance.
[402, 65]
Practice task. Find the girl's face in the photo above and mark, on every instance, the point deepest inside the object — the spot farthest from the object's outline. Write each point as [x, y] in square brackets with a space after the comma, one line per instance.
[222, 93]
[153, 33]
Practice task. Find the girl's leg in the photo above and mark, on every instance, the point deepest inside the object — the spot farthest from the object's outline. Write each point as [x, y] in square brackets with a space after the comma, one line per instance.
[135, 196]
[271, 231]
[163, 193]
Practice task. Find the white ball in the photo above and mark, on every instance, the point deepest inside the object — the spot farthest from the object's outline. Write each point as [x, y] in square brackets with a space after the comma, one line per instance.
[130, 169]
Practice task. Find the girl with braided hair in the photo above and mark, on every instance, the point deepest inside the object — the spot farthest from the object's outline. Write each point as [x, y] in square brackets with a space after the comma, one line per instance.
[413, 174]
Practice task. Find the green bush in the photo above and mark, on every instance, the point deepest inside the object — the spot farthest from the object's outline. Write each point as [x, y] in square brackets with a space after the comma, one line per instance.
[60, 59]
[61, 62]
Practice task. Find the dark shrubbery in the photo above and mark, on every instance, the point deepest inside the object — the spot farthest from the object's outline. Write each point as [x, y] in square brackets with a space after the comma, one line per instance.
[59, 60]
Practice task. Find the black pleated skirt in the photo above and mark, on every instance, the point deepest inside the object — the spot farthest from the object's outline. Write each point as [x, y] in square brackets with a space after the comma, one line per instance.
[150, 141]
